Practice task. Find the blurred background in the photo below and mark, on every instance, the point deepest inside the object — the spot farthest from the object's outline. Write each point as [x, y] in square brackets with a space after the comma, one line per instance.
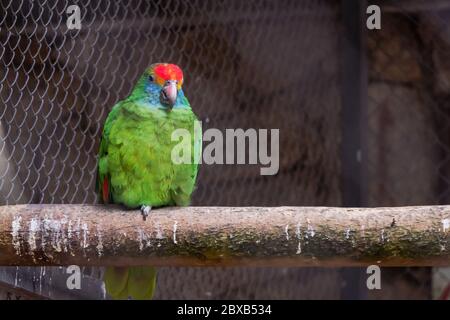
[363, 118]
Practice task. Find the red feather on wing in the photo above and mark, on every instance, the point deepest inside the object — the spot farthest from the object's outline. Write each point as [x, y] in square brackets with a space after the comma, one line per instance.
[105, 190]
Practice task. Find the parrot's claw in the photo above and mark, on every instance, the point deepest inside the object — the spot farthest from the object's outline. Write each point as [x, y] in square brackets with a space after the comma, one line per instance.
[145, 210]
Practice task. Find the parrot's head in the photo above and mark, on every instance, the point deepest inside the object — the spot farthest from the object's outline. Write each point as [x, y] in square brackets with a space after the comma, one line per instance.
[162, 85]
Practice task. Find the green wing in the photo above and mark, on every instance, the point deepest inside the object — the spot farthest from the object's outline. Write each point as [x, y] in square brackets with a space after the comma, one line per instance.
[184, 182]
[102, 168]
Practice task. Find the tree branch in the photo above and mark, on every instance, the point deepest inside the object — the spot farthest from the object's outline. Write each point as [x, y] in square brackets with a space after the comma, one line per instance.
[224, 236]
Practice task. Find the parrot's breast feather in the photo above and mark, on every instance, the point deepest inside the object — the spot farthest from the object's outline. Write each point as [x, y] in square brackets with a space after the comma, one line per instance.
[138, 156]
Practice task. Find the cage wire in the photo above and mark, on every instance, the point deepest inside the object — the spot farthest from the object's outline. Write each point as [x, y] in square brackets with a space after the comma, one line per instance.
[408, 132]
[247, 64]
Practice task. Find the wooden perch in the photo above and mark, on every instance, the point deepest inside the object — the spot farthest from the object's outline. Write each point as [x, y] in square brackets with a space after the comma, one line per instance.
[224, 236]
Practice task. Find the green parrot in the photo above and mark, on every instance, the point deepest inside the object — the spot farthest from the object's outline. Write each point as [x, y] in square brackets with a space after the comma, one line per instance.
[136, 167]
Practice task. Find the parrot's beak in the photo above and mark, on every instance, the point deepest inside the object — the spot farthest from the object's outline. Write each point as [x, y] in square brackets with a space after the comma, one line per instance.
[169, 93]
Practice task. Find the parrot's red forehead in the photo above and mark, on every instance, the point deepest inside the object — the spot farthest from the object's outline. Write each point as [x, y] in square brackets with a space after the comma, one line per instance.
[168, 71]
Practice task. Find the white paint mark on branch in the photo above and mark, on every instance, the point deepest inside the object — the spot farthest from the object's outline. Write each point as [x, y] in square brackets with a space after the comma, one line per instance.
[445, 224]
[310, 228]
[15, 233]
[52, 228]
[69, 238]
[347, 234]
[286, 231]
[63, 236]
[175, 232]
[298, 231]
[43, 230]
[144, 241]
[85, 229]
[78, 228]
[299, 248]
[69, 231]
[141, 239]
[298, 234]
[99, 243]
[33, 229]
[159, 234]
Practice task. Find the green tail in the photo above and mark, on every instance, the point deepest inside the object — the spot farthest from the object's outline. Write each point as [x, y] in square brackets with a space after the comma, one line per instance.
[135, 282]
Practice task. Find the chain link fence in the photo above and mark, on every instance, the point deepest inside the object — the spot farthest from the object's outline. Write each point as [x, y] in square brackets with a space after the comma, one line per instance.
[408, 109]
[247, 64]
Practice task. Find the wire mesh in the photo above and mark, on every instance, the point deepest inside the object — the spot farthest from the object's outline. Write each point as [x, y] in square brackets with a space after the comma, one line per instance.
[58, 86]
[408, 115]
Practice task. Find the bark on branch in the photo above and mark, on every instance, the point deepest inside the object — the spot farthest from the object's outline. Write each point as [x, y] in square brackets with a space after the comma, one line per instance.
[225, 236]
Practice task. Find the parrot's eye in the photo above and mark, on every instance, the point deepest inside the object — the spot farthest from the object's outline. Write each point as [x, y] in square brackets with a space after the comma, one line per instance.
[150, 78]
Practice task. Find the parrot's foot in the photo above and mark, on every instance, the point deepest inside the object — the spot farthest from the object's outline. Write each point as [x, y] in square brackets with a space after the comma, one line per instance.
[145, 210]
